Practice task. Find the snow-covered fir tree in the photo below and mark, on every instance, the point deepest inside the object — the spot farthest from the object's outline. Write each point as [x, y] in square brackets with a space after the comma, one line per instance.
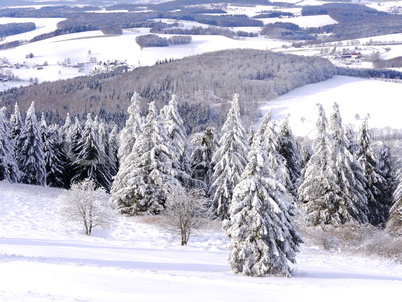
[112, 151]
[270, 143]
[290, 150]
[394, 223]
[376, 185]
[30, 154]
[105, 150]
[320, 190]
[132, 129]
[262, 236]
[65, 132]
[91, 161]
[229, 161]
[351, 136]
[8, 166]
[72, 139]
[55, 156]
[205, 145]
[16, 123]
[386, 170]
[349, 173]
[145, 176]
[178, 141]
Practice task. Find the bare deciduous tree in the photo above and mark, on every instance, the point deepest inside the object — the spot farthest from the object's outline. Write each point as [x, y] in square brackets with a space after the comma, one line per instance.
[185, 212]
[87, 205]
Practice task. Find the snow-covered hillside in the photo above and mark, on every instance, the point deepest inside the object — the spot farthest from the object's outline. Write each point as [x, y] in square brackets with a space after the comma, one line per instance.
[357, 98]
[44, 259]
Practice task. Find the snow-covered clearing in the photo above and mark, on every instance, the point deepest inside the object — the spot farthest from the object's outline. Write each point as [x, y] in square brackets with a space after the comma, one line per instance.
[305, 21]
[43, 26]
[44, 259]
[363, 97]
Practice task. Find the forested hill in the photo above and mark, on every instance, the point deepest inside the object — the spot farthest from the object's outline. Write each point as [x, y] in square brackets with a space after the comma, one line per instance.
[203, 83]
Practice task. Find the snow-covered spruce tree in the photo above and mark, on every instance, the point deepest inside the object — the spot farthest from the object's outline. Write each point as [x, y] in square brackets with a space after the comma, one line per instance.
[394, 223]
[72, 140]
[30, 154]
[105, 150]
[16, 123]
[65, 129]
[205, 145]
[132, 129]
[320, 193]
[8, 166]
[145, 176]
[376, 185]
[260, 229]
[270, 144]
[55, 156]
[349, 174]
[91, 161]
[351, 136]
[290, 150]
[229, 161]
[386, 170]
[178, 142]
[112, 152]
[4, 151]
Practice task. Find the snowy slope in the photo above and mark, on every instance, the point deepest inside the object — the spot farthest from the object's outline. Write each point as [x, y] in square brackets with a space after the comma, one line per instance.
[44, 259]
[356, 97]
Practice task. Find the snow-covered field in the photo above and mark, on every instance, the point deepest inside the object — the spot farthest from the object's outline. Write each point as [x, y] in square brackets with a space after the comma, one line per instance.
[305, 21]
[44, 259]
[357, 98]
[80, 47]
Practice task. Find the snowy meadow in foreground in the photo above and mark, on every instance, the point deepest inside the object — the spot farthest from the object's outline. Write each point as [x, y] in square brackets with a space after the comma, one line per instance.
[44, 259]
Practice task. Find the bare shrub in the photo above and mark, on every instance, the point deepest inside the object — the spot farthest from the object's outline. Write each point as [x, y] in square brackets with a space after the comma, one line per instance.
[88, 206]
[362, 240]
[185, 213]
[149, 219]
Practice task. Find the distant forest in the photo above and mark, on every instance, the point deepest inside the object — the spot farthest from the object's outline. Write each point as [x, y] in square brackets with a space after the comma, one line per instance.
[205, 83]
[354, 21]
[15, 28]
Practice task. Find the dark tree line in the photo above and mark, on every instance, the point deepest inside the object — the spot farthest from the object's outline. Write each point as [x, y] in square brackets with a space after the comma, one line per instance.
[57, 156]
[286, 31]
[16, 28]
[370, 73]
[156, 41]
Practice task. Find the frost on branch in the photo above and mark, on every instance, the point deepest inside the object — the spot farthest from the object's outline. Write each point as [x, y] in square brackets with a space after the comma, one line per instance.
[185, 212]
[83, 204]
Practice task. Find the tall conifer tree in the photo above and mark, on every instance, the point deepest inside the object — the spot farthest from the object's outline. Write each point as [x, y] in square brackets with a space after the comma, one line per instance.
[91, 161]
[321, 190]
[8, 167]
[205, 145]
[30, 154]
[132, 130]
[260, 229]
[177, 137]
[145, 176]
[229, 161]
[349, 174]
[55, 156]
[376, 185]
[290, 150]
